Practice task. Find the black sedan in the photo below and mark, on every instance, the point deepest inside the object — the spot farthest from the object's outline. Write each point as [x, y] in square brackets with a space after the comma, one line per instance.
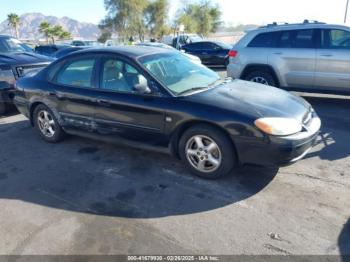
[49, 50]
[211, 53]
[157, 98]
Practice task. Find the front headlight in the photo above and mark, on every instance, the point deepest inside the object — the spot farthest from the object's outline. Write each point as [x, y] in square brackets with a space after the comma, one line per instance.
[278, 126]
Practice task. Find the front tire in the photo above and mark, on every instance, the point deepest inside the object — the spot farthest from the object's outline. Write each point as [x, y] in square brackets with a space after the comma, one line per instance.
[207, 152]
[261, 77]
[47, 125]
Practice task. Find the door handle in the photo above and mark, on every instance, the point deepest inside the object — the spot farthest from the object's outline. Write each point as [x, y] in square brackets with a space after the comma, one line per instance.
[326, 55]
[103, 102]
[57, 95]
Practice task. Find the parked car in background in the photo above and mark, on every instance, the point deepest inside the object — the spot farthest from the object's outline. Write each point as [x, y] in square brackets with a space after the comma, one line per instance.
[66, 51]
[49, 50]
[85, 43]
[309, 57]
[161, 45]
[159, 98]
[113, 42]
[210, 53]
[15, 62]
[181, 40]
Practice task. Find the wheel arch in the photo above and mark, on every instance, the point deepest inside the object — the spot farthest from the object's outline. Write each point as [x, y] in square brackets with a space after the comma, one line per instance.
[35, 104]
[180, 130]
[260, 67]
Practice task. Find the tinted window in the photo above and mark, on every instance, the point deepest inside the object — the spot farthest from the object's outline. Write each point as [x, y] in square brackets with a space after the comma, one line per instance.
[194, 46]
[296, 39]
[77, 73]
[336, 39]
[304, 39]
[285, 39]
[120, 76]
[263, 40]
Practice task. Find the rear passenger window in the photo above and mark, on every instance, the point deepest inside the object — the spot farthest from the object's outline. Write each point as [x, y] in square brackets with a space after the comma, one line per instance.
[296, 39]
[77, 73]
[304, 39]
[264, 40]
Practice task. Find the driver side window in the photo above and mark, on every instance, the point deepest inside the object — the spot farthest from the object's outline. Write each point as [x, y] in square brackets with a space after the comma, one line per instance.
[120, 77]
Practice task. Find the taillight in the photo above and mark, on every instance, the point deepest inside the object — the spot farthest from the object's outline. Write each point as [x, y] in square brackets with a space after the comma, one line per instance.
[232, 53]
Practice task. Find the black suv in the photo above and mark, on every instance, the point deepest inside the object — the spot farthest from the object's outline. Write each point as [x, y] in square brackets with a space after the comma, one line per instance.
[15, 62]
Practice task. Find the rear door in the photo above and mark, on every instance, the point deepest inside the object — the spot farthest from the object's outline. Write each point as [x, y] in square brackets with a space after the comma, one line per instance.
[74, 92]
[294, 56]
[121, 110]
[333, 61]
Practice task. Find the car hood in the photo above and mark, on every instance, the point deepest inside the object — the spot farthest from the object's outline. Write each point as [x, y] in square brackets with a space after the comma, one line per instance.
[23, 58]
[257, 100]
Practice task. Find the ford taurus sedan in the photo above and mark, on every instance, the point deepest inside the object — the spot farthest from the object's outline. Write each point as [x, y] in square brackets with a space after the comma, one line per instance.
[156, 98]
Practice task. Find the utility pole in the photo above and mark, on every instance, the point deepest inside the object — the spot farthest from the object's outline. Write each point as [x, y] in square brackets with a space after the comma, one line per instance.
[346, 11]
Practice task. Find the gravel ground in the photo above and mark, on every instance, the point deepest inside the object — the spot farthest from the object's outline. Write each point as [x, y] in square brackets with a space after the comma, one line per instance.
[87, 197]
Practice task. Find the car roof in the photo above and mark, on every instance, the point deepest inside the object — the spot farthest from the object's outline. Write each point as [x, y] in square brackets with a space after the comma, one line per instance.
[273, 28]
[131, 51]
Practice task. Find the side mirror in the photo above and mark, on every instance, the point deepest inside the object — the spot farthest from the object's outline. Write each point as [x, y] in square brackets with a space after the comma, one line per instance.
[142, 89]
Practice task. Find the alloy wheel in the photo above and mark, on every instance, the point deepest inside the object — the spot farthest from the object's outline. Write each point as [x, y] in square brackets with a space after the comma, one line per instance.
[203, 153]
[46, 123]
[260, 80]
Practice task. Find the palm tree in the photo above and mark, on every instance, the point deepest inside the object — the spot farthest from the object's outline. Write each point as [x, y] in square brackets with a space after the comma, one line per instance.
[13, 21]
[45, 29]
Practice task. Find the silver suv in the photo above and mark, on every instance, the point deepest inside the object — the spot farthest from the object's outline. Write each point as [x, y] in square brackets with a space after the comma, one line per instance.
[310, 57]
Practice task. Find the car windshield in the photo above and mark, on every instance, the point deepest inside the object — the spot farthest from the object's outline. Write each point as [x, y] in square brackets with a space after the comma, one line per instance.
[11, 45]
[178, 73]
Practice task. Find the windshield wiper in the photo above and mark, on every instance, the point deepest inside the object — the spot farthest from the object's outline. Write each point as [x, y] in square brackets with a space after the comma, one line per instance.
[193, 89]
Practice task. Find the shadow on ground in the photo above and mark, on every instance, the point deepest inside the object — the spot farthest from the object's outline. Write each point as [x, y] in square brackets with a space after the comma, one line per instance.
[86, 176]
[335, 116]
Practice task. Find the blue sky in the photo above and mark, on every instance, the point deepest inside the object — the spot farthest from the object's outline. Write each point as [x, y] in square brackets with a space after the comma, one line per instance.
[234, 11]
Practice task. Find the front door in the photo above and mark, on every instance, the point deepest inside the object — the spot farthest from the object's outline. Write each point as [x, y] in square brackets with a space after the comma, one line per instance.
[124, 112]
[333, 61]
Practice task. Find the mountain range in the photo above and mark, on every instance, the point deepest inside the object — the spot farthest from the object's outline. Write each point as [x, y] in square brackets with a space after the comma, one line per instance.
[29, 26]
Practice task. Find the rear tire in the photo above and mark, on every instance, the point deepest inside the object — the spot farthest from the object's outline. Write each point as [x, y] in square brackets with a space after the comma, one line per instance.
[47, 125]
[207, 152]
[261, 77]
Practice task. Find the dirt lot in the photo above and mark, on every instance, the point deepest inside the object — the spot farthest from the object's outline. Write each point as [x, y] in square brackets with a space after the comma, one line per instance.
[88, 197]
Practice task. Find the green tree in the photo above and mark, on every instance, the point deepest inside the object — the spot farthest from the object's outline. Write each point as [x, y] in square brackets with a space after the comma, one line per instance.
[104, 36]
[156, 17]
[125, 17]
[202, 18]
[53, 32]
[57, 32]
[13, 21]
[44, 28]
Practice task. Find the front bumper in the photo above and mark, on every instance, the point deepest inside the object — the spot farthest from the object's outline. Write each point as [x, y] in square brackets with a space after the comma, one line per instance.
[278, 150]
